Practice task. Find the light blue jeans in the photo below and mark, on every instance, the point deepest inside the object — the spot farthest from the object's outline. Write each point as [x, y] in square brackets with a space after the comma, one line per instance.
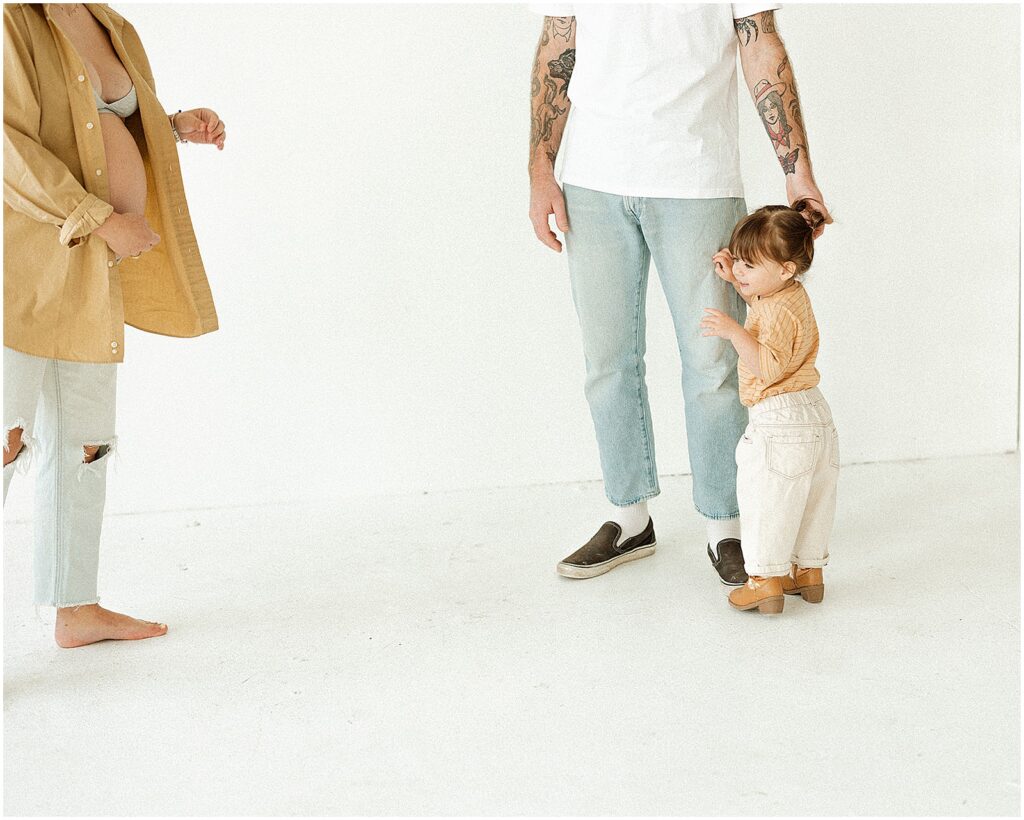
[610, 244]
[61, 408]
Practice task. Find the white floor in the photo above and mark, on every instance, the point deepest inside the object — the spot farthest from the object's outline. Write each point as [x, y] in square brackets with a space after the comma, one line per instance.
[421, 656]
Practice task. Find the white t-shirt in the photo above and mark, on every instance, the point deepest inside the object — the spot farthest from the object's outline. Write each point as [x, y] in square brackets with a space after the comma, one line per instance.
[653, 93]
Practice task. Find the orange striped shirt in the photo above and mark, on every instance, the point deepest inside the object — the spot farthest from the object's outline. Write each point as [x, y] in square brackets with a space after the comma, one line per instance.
[784, 326]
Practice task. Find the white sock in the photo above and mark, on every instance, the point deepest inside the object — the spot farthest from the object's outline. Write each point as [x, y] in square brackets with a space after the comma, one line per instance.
[631, 519]
[721, 528]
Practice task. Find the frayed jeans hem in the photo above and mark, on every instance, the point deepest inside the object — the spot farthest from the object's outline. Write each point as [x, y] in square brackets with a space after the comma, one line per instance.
[725, 517]
[639, 500]
[75, 605]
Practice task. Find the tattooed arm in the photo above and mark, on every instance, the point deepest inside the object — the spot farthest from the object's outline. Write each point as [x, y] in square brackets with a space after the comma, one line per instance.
[549, 109]
[769, 76]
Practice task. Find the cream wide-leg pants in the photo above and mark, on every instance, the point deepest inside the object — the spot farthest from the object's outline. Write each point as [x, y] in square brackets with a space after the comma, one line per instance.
[787, 472]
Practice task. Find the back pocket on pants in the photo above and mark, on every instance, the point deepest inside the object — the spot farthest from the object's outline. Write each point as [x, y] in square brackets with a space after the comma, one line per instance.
[792, 456]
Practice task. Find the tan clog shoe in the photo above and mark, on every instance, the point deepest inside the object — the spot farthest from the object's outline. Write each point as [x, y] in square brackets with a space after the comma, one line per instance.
[762, 594]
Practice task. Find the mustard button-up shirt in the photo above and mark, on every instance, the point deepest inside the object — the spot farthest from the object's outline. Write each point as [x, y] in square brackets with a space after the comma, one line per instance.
[65, 296]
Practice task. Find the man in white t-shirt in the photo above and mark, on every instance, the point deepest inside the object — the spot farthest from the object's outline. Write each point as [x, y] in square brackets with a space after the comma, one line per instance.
[650, 170]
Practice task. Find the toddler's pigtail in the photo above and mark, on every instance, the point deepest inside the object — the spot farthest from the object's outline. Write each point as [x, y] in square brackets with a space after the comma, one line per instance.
[808, 209]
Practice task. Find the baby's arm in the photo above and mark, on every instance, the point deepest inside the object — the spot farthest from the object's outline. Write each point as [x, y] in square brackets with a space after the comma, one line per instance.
[716, 323]
[723, 267]
[748, 349]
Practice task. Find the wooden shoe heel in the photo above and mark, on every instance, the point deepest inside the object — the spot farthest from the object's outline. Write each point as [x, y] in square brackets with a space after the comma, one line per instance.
[772, 606]
[813, 595]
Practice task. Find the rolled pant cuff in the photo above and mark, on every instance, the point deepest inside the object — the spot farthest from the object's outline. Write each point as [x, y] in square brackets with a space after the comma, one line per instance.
[767, 571]
[813, 563]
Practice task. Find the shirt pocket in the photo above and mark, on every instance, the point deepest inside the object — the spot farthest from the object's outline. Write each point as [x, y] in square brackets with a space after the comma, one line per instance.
[792, 455]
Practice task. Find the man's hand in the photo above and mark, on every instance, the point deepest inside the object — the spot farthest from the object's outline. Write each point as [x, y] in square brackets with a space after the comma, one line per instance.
[769, 76]
[723, 265]
[716, 323]
[806, 189]
[127, 234]
[201, 125]
[549, 111]
[545, 199]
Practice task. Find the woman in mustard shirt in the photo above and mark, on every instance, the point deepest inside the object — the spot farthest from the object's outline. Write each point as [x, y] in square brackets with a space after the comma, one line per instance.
[96, 234]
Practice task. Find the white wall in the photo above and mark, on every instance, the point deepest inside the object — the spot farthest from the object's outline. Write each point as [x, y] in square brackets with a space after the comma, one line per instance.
[389, 322]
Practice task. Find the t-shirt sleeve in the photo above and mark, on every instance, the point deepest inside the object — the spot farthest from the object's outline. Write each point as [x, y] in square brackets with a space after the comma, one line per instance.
[741, 10]
[552, 9]
[777, 339]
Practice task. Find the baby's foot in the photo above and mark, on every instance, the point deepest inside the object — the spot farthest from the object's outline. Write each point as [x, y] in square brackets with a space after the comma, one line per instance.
[81, 625]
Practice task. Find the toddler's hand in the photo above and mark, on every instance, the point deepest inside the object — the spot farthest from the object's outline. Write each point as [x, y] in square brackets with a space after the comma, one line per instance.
[723, 265]
[716, 323]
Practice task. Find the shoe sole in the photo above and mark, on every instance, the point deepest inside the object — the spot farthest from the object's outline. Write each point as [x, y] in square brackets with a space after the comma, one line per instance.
[767, 606]
[725, 583]
[812, 594]
[574, 571]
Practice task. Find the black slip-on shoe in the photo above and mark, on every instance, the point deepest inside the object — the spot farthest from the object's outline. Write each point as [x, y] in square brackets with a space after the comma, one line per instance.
[601, 554]
[729, 563]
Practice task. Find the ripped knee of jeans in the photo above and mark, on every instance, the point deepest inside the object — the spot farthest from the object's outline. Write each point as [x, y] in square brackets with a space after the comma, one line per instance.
[94, 457]
[18, 446]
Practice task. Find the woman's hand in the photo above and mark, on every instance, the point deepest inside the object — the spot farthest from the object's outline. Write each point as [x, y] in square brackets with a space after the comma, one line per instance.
[200, 125]
[716, 323]
[127, 234]
[723, 265]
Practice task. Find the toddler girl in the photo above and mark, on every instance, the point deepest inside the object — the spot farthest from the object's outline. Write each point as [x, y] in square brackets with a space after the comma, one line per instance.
[788, 458]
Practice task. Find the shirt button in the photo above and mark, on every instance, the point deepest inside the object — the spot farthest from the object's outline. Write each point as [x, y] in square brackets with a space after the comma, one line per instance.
[81, 78]
[99, 172]
[110, 264]
[89, 125]
[113, 345]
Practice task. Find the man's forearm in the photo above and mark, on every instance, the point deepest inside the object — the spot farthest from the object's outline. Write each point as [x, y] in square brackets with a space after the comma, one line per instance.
[769, 76]
[549, 101]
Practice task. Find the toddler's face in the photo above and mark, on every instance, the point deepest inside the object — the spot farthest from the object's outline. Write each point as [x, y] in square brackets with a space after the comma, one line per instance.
[760, 278]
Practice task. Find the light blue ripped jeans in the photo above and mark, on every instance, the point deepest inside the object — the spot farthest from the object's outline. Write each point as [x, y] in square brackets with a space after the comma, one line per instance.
[610, 244]
[62, 408]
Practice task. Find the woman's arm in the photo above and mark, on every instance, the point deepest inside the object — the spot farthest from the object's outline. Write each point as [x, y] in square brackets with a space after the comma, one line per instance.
[36, 182]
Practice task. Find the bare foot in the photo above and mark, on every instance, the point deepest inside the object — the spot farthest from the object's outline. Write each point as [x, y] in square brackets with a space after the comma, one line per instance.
[81, 625]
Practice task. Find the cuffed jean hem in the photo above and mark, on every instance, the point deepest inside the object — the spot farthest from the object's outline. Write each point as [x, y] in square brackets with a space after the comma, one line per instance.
[814, 563]
[642, 498]
[725, 517]
[767, 571]
[69, 606]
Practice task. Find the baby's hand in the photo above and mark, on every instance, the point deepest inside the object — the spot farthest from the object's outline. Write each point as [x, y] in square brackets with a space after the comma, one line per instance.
[716, 323]
[723, 265]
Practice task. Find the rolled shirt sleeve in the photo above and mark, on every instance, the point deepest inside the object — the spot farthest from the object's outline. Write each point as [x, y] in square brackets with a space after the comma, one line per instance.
[36, 182]
[741, 10]
[552, 9]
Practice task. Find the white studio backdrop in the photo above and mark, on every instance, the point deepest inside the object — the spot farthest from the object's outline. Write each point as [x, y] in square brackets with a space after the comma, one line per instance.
[390, 324]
